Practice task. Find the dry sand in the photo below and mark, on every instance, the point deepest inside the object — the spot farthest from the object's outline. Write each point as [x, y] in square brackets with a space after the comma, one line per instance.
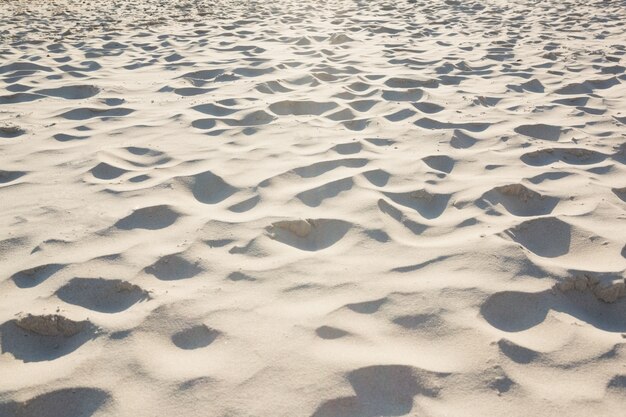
[312, 208]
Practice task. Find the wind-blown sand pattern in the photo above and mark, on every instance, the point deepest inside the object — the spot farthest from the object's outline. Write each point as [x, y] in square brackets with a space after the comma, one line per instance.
[312, 208]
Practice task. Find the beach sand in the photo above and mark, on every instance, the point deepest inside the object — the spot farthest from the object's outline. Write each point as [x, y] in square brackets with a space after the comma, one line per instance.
[312, 208]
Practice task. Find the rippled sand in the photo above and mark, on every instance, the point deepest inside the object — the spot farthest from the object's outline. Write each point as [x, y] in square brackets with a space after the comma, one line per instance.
[312, 208]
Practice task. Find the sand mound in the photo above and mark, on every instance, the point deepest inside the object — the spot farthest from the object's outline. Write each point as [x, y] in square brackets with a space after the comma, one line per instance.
[9, 131]
[520, 200]
[35, 338]
[309, 234]
[50, 325]
[609, 292]
[427, 204]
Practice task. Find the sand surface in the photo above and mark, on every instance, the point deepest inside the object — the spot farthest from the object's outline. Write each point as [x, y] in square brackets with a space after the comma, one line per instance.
[312, 208]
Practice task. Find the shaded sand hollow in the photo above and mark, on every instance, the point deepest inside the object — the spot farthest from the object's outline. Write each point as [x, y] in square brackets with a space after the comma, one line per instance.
[312, 208]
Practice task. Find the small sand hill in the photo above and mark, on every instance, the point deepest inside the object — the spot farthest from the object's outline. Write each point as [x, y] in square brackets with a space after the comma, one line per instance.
[338, 208]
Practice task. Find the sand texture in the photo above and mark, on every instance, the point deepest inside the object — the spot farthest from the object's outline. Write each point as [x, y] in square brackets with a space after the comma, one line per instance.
[310, 208]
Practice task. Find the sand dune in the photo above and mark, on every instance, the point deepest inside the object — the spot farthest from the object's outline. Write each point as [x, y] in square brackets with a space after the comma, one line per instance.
[322, 208]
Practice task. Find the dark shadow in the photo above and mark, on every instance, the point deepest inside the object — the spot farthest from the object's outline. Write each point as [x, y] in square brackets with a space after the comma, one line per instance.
[68, 402]
[514, 311]
[32, 277]
[151, 218]
[380, 390]
[31, 344]
[102, 295]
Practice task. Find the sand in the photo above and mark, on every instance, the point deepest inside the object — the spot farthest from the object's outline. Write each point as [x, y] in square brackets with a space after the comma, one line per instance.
[312, 208]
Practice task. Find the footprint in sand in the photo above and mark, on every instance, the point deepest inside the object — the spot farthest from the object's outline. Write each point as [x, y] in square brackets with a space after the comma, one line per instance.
[149, 218]
[44, 338]
[195, 337]
[102, 295]
[382, 390]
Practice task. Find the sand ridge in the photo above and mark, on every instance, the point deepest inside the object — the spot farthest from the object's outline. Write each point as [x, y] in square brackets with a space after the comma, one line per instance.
[326, 208]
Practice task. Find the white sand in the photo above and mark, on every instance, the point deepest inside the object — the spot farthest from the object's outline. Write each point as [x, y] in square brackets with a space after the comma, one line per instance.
[312, 208]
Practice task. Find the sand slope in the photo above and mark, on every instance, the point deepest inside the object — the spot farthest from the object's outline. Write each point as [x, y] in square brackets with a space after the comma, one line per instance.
[325, 208]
